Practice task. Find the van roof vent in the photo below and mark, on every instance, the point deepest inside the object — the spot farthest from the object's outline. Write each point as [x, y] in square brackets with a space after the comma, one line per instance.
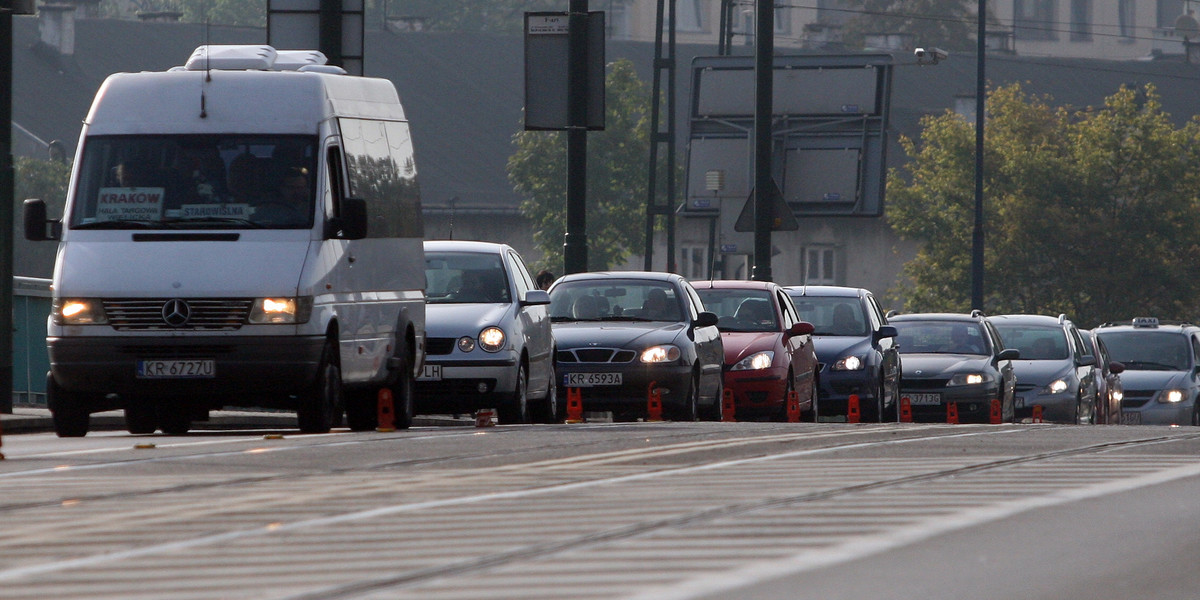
[252, 57]
[330, 69]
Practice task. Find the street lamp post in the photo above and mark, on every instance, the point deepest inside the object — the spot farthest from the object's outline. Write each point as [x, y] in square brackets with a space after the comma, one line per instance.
[977, 231]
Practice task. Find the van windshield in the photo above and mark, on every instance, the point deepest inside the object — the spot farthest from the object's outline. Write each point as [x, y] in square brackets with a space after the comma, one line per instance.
[196, 181]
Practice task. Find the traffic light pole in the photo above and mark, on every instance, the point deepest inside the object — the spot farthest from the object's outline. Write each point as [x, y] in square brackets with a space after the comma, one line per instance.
[575, 252]
[764, 67]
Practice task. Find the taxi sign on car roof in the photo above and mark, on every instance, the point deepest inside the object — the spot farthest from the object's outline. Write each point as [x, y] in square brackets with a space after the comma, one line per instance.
[1145, 322]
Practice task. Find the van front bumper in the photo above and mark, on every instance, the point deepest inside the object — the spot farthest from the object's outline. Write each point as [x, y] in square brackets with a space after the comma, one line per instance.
[243, 366]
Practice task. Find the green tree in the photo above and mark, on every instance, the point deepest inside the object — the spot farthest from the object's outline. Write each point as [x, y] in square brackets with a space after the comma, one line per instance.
[946, 24]
[1093, 213]
[46, 180]
[493, 16]
[616, 177]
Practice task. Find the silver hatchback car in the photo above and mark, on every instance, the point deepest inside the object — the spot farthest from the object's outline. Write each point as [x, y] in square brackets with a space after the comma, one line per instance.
[488, 337]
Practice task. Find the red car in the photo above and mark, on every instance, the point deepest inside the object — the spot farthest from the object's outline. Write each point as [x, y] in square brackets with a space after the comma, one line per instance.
[768, 349]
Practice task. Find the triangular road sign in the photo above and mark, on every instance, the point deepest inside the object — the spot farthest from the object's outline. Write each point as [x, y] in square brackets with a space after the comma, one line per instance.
[782, 218]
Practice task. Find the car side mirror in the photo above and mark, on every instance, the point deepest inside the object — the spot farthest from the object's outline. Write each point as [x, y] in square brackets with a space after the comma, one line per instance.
[1087, 361]
[886, 331]
[1008, 354]
[38, 228]
[1116, 367]
[705, 319]
[536, 297]
[800, 328]
[351, 224]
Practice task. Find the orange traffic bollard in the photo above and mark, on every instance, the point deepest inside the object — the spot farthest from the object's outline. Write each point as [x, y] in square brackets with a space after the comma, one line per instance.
[853, 412]
[387, 416]
[952, 413]
[1037, 413]
[485, 417]
[905, 410]
[653, 402]
[793, 407]
[997, 414]
[574, 405]
[728, 408]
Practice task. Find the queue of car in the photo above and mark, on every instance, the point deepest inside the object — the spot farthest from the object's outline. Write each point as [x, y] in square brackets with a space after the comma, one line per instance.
[619, 339]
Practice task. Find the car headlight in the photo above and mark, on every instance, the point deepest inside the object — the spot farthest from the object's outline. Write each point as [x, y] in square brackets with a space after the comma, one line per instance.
[1171, 396]
[971, 379]
[78, 311]
[1057, 386]
[491, 339]
[660, 354]
[288, 311]
[849, 363]
[466, 343]
[1118, 395]
[754, 362]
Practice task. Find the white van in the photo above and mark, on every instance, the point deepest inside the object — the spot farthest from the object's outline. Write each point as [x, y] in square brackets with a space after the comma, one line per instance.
[241, 231]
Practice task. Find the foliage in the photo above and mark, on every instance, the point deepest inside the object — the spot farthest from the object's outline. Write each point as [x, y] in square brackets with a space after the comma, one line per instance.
[616, 177]
[946, 24]
[43, 179]
[494, 16]
[1092, 213]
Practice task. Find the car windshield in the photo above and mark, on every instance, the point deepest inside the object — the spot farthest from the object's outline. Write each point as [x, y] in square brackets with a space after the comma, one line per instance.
[832, 315]
[940, 337]
[1036, 342]
[741, 310]
[195, 181]
[1148, 350]
[465, 278]
[614, 300]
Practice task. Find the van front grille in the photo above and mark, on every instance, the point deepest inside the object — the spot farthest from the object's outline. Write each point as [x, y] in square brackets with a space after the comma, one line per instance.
[190, 314]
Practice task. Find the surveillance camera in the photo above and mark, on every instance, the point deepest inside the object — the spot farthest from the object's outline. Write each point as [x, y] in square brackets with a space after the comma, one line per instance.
[930, 55]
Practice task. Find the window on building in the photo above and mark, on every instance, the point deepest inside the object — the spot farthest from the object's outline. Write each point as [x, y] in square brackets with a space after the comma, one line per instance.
[693, 263]
[1034, 19]
[689, 15]
[617, 20]
[820, 265]
[743, 19]
[1081, 20]
[1168, 11]
[1127, 18]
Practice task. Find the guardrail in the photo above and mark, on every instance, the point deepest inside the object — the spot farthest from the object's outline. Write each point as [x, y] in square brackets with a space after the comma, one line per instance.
[31, 308]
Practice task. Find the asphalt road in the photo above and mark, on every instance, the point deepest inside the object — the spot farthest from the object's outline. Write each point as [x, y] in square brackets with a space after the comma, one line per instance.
[633, 510]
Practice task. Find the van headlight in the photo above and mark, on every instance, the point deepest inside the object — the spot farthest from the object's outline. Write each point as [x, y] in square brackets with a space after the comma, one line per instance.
[287, 311]
[754, 362]
[79, 311]
[491, 339]
[660, 354]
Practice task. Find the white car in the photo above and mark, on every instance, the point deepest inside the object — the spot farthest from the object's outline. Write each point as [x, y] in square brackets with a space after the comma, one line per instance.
[489, 343]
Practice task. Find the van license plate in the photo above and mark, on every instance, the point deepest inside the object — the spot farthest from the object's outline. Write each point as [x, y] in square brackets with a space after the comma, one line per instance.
[177, 369]
[591, 379]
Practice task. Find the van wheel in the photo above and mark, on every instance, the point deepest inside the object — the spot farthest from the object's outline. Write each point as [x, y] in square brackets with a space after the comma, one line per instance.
[516, 409]
[67, 409]
[315, 410]
[173, 419]
[403, 396]
[140, 418]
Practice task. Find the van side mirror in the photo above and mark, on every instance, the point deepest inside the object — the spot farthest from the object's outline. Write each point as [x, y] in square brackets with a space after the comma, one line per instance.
[37, 227]
[352, 224]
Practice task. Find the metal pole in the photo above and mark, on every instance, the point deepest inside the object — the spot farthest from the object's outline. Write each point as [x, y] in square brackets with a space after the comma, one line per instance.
[330, 30]
[6, 208]
[977, 232]
[764, 65]
[575, 254]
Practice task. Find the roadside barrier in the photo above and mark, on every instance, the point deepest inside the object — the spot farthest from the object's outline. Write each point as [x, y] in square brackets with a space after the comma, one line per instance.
[952, 413]
[653, 402]
[996, 414]
[728, 408]
[386, 411]
[793, 407]
[1037, 413]
[574, 405]
[905, 410]
[485, 417]
[853, 411]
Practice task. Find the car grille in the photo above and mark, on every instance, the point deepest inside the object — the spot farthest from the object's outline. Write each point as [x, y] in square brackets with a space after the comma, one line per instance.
[207, 314]
[1024, 387]
[1136, 398]
[596, 355]
[439, 346]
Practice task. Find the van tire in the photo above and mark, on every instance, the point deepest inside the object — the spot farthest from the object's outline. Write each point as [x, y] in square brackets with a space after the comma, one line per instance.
[403, 394]
[67, 410]
[140, 418]
[173, 419]
[314, 411]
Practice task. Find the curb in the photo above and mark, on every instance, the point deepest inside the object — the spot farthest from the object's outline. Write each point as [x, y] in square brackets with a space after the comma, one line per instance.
[37, 420]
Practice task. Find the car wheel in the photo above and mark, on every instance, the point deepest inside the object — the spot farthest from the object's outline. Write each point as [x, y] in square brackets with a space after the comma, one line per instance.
[139, 416]
[1196, 413]
[516, 409]
[715, 412]
[67, 409]
[404, 395]
[548, 407]
[787, 393]
[314, 411]
[810, 415]
[688, 411]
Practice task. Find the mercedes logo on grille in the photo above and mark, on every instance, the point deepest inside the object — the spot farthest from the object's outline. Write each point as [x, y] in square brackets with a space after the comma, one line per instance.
[176, 312]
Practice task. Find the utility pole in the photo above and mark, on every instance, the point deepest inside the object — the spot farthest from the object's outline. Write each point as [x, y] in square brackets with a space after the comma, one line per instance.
[764, 85]
[6, 206]
[977, 231]
[575, 252]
